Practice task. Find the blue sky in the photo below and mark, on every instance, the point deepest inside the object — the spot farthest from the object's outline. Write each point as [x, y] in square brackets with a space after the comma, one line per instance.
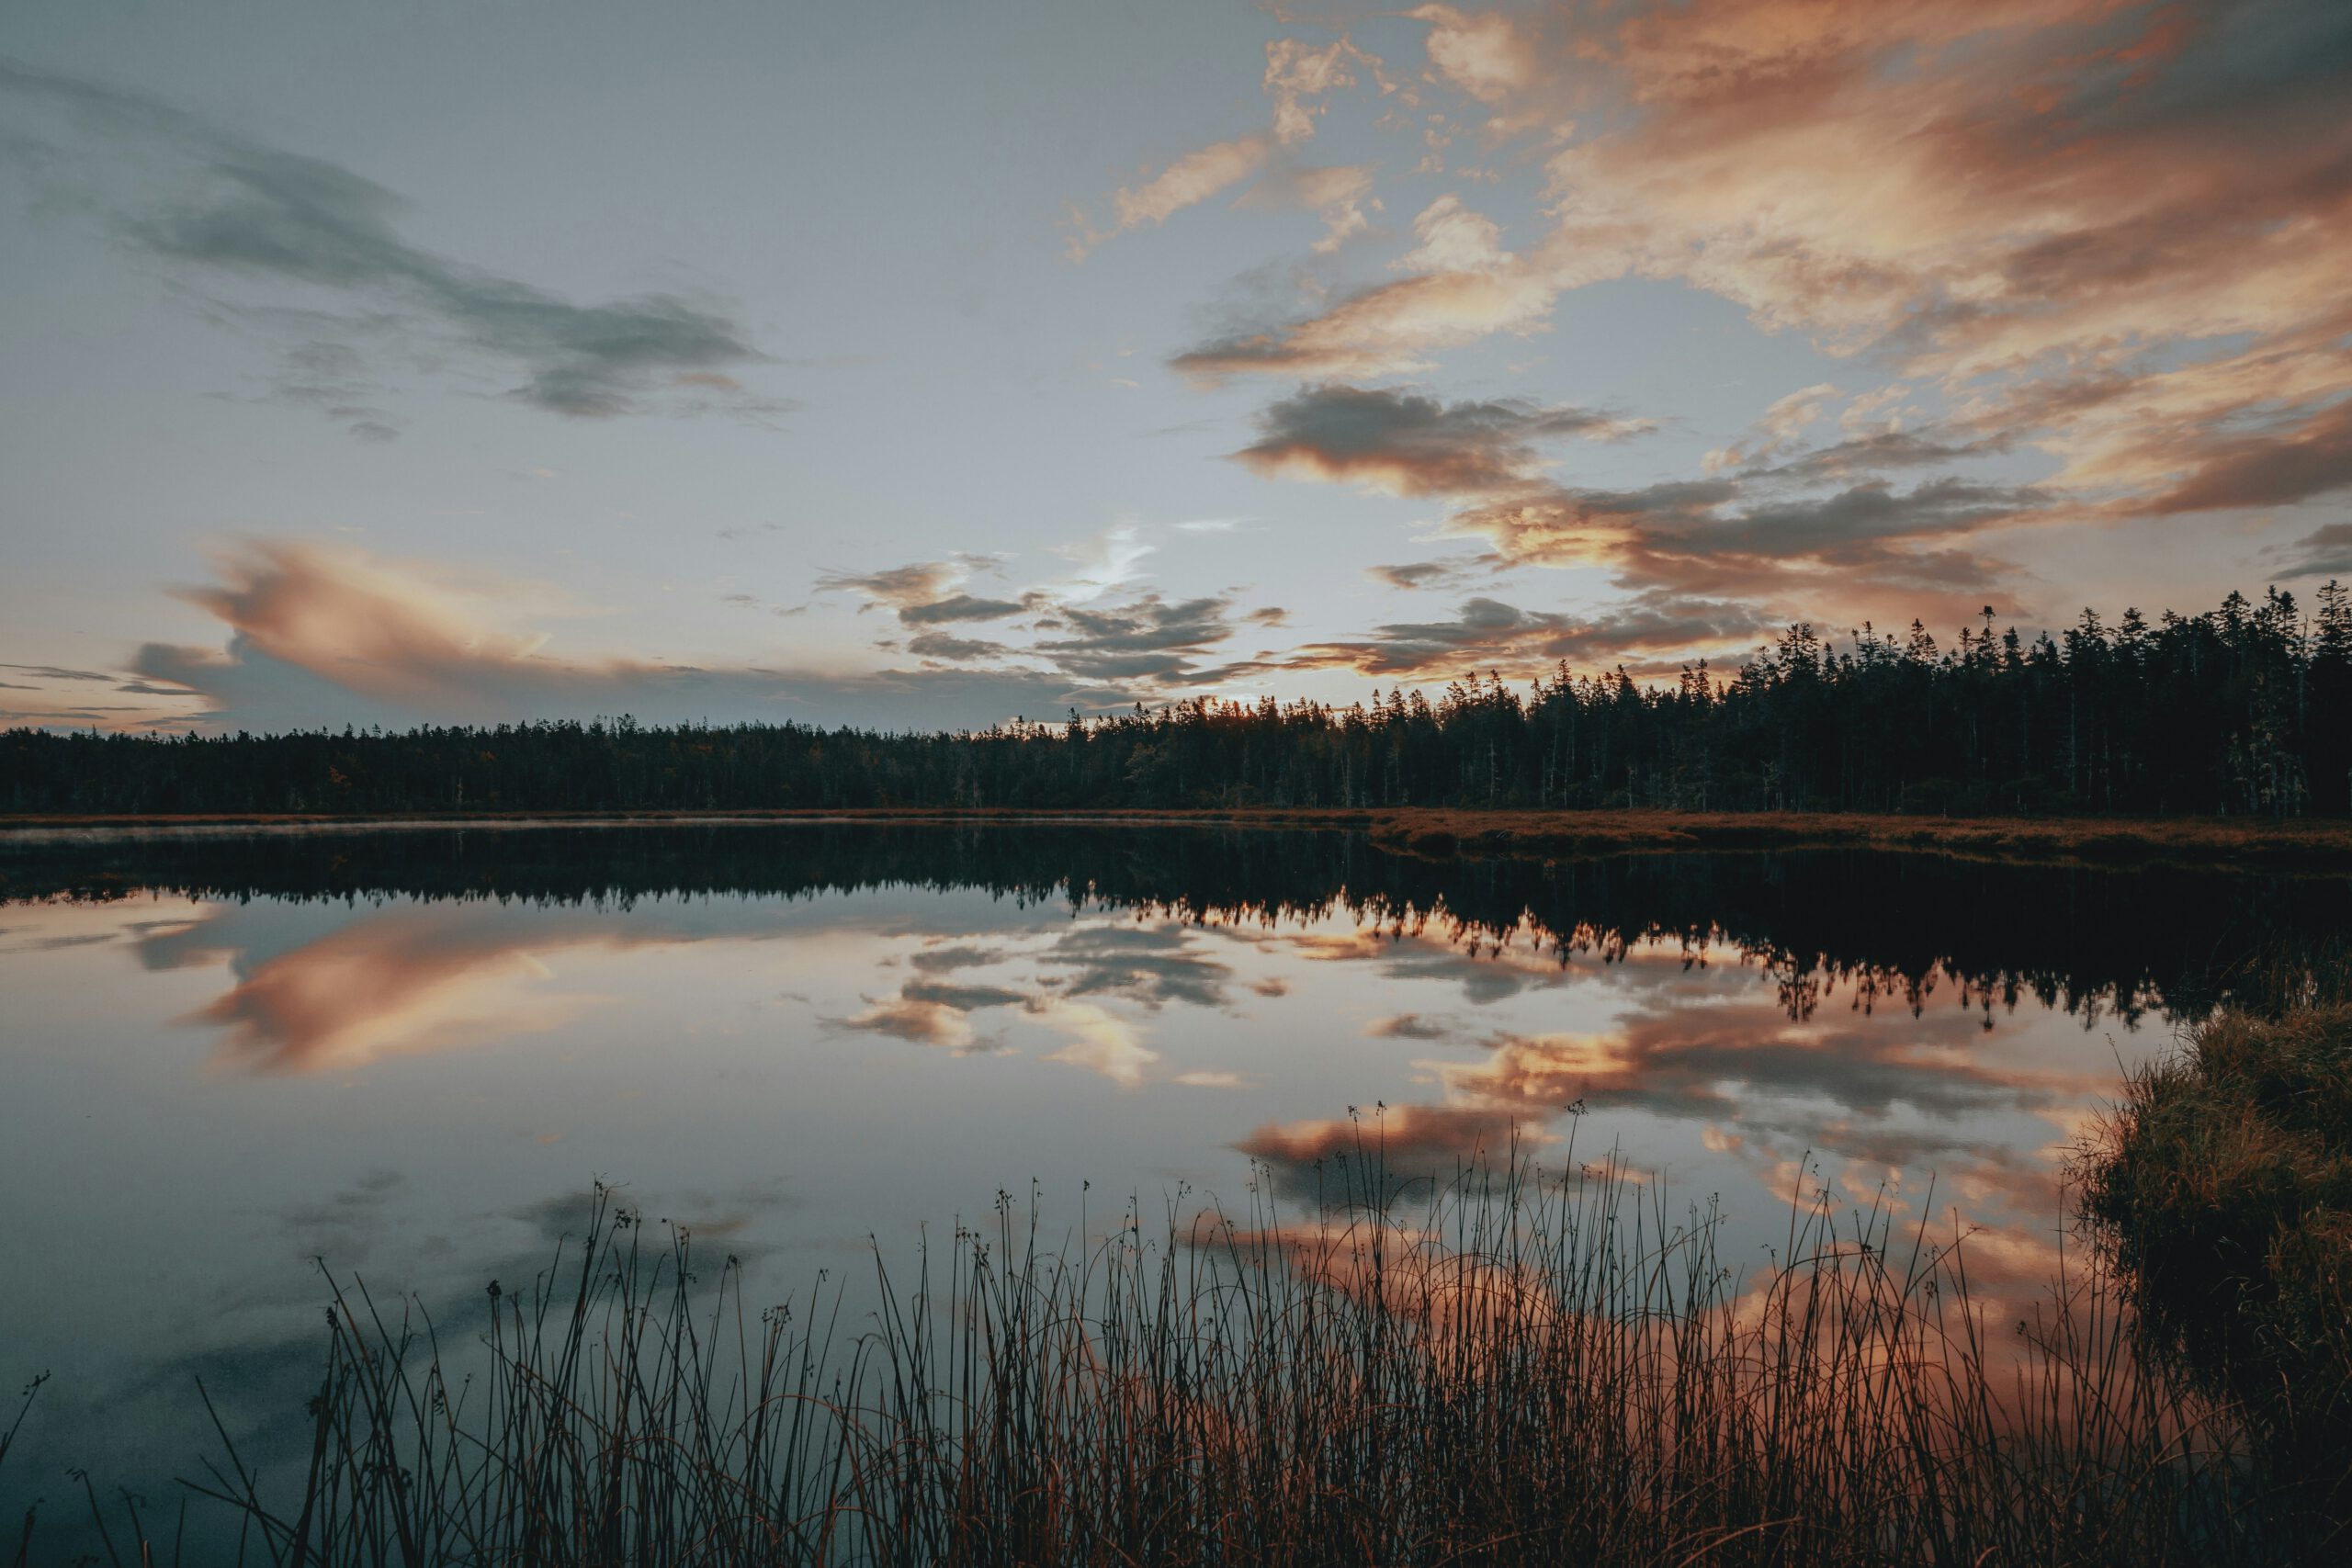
[911, 365]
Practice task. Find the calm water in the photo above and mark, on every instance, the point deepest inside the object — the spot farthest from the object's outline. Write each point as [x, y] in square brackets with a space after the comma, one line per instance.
[223, 1054]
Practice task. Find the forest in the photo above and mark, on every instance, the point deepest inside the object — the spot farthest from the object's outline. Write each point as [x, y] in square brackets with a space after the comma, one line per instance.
[2243, 710]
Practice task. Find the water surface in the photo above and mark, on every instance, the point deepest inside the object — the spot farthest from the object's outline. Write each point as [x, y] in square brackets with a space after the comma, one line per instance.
[227, 1053]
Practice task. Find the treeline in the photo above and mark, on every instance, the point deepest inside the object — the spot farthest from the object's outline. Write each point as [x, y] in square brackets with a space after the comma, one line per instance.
[2244, 710]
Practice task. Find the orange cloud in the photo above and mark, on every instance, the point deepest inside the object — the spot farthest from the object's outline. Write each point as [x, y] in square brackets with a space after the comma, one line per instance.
[1194, 178]
[2110, 231]
[1298, 76]
[392, 641]
[1485, 56]
[1339, 192]
[1387, 330]
[379, 627]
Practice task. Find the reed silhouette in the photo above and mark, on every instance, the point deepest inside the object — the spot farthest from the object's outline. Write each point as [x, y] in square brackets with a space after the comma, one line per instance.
[1517, 1365]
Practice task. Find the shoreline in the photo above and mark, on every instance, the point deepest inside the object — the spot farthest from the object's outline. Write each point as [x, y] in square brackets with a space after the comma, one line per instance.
[2306, 844]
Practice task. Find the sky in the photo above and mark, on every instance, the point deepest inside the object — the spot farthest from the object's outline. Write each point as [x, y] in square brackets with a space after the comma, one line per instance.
[925, 365]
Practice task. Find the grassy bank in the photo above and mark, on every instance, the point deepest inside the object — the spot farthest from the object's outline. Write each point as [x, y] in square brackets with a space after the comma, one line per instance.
[2227, 1191]
[1520, 1368]
[2273, 843]
[2277, 844]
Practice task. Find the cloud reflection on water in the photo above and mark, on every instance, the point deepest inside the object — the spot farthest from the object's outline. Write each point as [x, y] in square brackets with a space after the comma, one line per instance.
[1702, 1065]
[1675, 1039]
[894, 1032]
[401, 982]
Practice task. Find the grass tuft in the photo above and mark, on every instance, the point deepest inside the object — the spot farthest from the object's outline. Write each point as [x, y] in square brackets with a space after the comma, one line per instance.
[2224, 1187]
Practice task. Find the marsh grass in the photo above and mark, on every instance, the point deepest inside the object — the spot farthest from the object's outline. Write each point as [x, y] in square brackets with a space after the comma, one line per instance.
[1517, 1365]
[2224, 1187]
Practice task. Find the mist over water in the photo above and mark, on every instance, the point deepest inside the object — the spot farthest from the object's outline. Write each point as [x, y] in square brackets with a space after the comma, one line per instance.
[410, 1053]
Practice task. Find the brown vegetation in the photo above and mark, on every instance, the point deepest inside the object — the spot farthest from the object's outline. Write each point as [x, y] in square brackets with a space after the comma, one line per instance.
[2225, 1189]
[2272, 844]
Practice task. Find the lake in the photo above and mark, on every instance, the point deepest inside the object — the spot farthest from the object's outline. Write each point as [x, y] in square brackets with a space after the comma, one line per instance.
[409, 1052]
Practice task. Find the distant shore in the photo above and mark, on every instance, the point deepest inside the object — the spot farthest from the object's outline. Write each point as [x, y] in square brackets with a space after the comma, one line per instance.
[2292, 844]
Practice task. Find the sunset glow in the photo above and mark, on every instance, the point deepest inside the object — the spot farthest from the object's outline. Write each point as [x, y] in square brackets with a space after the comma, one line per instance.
[1347, 349]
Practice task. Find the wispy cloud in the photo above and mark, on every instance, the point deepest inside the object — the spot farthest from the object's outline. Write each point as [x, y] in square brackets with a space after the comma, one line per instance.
[315, 630]
[1389, 329]
[230, 208]
[1415, 576]
[924, 594]
[1187, 182]
[1339, 193]
[1487, 634]
[1299, 77]
[1148, 638]
[2324, 552]
[1410, 445]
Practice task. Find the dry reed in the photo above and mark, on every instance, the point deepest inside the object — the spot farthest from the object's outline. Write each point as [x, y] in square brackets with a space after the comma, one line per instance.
[1518, 1365]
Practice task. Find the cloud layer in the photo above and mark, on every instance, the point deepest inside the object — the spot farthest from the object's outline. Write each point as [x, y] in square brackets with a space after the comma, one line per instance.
[2094, 237]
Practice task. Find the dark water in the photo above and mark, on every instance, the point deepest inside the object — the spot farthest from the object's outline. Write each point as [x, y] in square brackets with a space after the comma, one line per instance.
[223, 1054]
